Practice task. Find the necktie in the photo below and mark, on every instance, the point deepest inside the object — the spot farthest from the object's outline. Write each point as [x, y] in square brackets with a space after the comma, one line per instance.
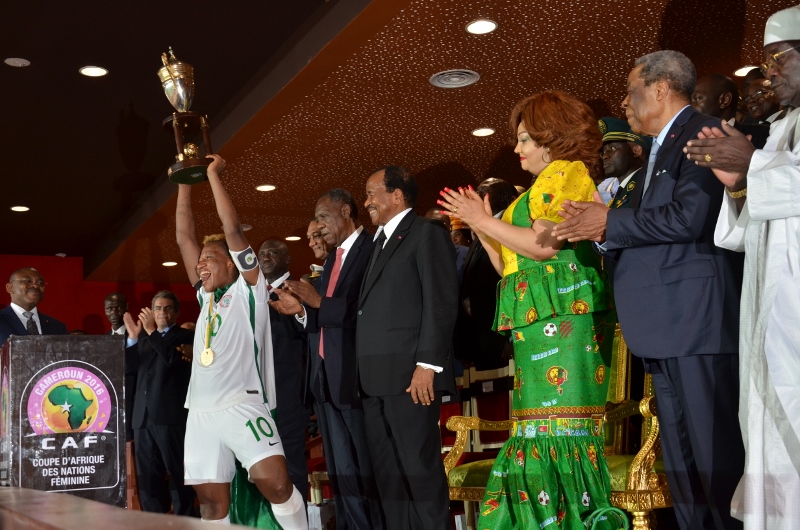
[163, 333]
[32, 328]
[377, 251]
[337, 267]
[650, 164]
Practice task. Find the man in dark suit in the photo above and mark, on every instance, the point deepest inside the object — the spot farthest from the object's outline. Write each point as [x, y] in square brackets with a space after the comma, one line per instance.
[717, 96]
[332, 368]
[115, 306]
[26, 288]
[159, 417]
[475, 339]
[289, 351]
[677, 294]
[406, 315]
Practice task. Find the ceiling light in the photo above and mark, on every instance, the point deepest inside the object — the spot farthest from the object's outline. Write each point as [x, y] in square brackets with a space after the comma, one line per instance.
[741, 72]
[265, 187]
[484, 131]
[17, 61]
[19, 208]
[293, 238]
[170, 263]
[93, 71]
[481, 26]
[454, 78]
[61, 255]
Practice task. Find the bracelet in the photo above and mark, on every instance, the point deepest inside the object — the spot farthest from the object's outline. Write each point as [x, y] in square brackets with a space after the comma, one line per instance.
[737, 194]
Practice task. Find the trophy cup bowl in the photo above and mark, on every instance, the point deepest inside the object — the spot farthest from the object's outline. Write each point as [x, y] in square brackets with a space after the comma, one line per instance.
[177, 80]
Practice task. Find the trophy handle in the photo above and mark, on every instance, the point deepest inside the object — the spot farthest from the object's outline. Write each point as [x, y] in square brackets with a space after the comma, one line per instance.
[165, 61]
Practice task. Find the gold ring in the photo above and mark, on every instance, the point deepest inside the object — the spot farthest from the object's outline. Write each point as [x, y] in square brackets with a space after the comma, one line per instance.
[455, 209]
[708, 158]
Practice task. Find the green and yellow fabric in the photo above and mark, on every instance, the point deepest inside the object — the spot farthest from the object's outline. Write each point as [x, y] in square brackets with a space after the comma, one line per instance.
[559, 313]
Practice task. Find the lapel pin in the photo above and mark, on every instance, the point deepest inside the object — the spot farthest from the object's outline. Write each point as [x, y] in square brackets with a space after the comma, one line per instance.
[672, 136]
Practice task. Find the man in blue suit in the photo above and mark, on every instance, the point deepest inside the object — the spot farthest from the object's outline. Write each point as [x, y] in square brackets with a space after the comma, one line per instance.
[26, 288]
[332, 374]
[677, 294]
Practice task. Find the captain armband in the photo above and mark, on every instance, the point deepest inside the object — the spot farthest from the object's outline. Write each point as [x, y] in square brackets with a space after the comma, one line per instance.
[245, 260]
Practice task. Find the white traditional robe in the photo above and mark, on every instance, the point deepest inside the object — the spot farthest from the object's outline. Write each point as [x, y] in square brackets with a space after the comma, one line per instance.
[768, 496]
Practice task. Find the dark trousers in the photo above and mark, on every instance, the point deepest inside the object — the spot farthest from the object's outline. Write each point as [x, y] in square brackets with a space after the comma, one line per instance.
[159, 449]
[405, 444]
[697, 400]
[349, 466]
[292, 425]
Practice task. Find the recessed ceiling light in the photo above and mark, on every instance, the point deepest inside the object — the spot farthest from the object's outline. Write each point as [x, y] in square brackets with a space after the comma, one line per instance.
[484, 131]
[265, 187]
[293, 238]
[19, 208]
[741, 72]
[170, 263]
[454, 78]
[481, 26]
[61, 255]
[17, 61]
[93, 71]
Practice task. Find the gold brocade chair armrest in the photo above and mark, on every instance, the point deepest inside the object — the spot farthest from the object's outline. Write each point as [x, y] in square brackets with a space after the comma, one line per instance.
[461, 425]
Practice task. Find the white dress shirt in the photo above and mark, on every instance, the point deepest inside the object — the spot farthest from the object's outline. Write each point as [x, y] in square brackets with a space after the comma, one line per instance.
[19, 310]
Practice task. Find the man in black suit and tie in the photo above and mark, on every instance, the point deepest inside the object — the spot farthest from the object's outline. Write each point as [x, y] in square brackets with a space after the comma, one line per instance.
[26, 288]
[406, 315]
[159, 417]
[677, 294]
[116, 305]
[289, 351]
[717, 96]
[332, 367]
[476, 341]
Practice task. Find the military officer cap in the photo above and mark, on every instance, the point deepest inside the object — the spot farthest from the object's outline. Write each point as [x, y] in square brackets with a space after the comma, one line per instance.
[616, 130]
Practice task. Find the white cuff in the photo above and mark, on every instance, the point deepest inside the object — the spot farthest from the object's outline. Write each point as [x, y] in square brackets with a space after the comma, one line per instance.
[437, 369]
[302, 319]
[601, 246]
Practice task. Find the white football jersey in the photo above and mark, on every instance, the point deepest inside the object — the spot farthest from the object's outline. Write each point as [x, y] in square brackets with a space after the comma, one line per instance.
[242, 370]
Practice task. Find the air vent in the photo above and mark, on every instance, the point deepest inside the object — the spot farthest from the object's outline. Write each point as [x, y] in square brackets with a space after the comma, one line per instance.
[455, 78]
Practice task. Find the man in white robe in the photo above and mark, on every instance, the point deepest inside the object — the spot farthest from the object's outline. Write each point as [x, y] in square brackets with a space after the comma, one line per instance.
[761, 216]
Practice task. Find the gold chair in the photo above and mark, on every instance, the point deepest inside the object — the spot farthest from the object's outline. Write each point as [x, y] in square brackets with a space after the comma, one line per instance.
[637, 481]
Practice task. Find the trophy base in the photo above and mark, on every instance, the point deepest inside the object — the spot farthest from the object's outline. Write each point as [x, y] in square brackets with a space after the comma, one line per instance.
[190, 171]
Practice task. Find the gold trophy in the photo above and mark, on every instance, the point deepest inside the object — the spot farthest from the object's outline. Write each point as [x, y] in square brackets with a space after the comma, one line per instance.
[177, 79]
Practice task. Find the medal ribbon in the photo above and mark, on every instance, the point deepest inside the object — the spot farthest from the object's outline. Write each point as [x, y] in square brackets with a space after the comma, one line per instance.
[211, 320]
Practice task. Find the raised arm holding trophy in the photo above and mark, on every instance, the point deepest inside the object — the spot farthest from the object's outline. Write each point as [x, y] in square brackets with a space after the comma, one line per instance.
[177, 79]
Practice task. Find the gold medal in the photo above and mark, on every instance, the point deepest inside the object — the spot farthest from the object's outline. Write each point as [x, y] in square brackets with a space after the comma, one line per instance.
[207, 357]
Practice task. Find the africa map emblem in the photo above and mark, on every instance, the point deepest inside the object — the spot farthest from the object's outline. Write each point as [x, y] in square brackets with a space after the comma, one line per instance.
[69, 400]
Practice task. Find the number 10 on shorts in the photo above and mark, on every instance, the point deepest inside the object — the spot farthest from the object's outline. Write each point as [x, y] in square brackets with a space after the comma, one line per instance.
[260, 423]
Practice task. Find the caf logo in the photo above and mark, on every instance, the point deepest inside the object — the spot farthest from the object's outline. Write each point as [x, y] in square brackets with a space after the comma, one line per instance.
[69, 399]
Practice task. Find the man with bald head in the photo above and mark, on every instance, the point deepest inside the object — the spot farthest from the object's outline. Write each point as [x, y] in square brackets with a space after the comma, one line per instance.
[115, 306]
[26, 288]
[716, 95]
[762, 105]
[760, 216]
[289, 350]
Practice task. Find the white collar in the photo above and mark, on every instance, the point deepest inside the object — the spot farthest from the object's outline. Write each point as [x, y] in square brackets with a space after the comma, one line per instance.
[627, 179]
[348, 243]
[277, 283]
[119, 331]
[391, 225]
[19, 310]
[663, 134]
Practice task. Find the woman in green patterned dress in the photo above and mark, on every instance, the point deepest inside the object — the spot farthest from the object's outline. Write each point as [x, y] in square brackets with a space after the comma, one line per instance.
[556, 304]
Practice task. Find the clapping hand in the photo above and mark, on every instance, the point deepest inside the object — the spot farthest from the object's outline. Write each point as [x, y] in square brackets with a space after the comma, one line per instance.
[134, 328]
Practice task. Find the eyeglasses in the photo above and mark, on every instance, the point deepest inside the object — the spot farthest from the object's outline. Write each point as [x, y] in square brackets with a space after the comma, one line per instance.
[772, 60]
[29, 281]
[761, 94]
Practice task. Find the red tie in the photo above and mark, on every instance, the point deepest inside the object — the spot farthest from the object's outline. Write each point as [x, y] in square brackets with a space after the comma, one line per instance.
[337, 267]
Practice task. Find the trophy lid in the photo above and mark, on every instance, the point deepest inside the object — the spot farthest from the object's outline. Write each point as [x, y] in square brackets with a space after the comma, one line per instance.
[177, 80]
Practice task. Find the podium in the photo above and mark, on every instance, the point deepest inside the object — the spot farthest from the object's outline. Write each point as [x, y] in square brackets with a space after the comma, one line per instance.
[62, 424]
